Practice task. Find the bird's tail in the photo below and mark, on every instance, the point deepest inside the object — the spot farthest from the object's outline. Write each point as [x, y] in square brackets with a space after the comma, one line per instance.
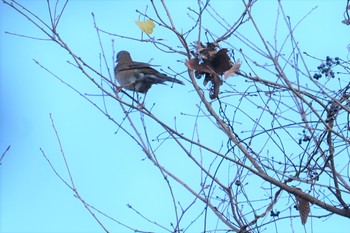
[174, 80]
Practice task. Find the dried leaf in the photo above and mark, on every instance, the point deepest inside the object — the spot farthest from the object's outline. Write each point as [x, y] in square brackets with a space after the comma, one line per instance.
[221, 62]
[193, 64]
[232, 71]
[146, 26]
[208, 77]
[215, 88]
[304, 209]
[212, 64]
[205, 52]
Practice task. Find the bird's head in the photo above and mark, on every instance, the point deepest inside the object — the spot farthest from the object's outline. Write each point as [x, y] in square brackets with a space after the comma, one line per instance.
[123, 56]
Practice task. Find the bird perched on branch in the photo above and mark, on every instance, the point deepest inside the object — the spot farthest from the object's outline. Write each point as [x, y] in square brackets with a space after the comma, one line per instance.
[138, 76]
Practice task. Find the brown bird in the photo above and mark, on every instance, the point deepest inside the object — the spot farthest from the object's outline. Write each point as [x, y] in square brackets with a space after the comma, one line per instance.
[138, 76]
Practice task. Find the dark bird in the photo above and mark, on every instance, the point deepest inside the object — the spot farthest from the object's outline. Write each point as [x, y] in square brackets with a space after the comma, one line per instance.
[138, 76]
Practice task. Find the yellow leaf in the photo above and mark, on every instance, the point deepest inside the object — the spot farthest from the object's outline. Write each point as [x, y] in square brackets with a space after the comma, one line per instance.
[146, 26]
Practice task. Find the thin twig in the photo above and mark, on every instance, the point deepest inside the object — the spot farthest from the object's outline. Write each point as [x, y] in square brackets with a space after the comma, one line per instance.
[3, 154]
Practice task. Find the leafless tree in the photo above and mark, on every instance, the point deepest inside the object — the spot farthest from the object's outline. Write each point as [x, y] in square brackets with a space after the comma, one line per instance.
[281, 144]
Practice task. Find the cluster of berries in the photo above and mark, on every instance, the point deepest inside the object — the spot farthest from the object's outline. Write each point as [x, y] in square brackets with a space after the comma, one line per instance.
[326, 68]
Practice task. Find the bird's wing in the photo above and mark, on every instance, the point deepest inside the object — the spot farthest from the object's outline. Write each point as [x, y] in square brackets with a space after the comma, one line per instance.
[147, 71]
[135, 65]
[158, 77]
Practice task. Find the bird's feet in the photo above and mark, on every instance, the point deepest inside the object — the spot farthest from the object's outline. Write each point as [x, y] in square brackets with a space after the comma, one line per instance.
[141, 106]
[118, 89]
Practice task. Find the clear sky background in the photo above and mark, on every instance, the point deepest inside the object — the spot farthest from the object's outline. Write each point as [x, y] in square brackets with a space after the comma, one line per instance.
[110, 172]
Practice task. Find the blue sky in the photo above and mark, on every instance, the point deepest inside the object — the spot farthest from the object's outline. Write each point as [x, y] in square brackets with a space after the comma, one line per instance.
[111, 171]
